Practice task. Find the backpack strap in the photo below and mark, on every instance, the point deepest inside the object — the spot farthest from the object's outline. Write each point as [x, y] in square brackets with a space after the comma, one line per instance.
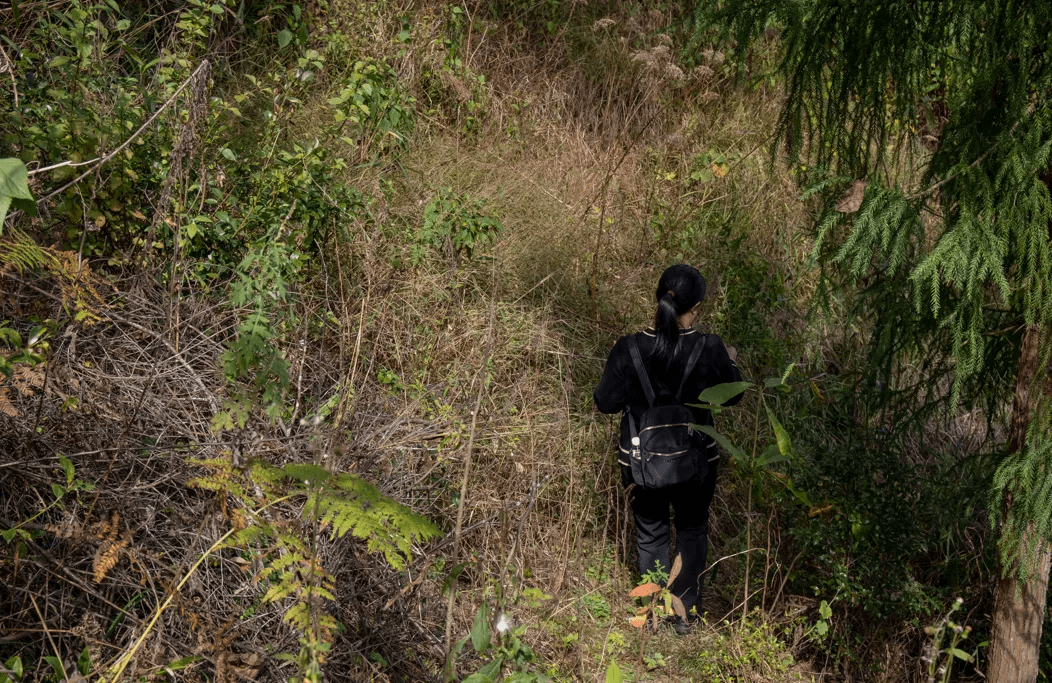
[691, 362]
[633, 350]
[633, 430]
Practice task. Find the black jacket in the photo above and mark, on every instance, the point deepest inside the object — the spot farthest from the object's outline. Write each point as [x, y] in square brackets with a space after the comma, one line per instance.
[620, 387]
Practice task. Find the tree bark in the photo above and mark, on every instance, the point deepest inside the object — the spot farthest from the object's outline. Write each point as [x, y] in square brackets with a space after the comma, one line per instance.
[1019, 614]
[1019, 610]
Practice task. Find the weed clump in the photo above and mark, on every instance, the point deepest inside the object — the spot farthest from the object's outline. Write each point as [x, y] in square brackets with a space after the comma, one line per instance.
[746, 650]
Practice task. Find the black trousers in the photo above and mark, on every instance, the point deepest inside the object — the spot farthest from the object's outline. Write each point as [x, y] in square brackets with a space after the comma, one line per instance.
[690, 502]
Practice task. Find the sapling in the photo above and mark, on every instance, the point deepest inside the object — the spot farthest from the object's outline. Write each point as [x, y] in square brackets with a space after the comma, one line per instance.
[659, 601]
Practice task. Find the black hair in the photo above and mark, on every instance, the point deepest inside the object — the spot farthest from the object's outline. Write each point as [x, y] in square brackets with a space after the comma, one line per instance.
[680, 288]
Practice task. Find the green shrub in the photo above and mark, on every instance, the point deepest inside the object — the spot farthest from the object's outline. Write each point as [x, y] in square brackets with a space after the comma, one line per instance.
[456, 223]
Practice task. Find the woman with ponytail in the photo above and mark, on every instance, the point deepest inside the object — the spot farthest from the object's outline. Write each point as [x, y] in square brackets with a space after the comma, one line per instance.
[665, 351]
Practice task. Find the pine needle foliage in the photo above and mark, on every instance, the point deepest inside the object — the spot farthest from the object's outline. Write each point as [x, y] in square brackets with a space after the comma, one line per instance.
[1024, 476]
[942, 109]
[287, 550]
[864, 81]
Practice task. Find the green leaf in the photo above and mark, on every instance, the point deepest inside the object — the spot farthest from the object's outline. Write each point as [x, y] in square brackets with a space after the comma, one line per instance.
[14, 189]
[721, 393]
[785, 447]
[36, 334]
[960, 654]
[222, 420]
[824, 610]
[67, 468]
[228, 154]
[84, 662]
[480, 631]
[798, 494]
[490, 671]
[10, 336]
[452, 578]
[187, 661]
[821, 628]
[216, 9]
[613, 673]
[14, 665]
[723, 441]
[284, 37]
[57, 62]
[55, 663]
[770, 456]
[459, 647]
[487, 674]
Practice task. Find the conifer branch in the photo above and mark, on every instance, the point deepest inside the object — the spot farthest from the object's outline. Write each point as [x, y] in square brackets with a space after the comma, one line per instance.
[974, 164]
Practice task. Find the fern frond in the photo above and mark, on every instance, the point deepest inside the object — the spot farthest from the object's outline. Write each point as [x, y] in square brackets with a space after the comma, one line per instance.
[285, 587]
[19, 252]
[306, 472]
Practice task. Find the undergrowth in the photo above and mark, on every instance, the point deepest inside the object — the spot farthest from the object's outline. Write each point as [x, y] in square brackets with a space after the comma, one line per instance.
[319, 340]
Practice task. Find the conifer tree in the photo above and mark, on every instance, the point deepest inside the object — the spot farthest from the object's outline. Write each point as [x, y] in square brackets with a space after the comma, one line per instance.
[936, 115]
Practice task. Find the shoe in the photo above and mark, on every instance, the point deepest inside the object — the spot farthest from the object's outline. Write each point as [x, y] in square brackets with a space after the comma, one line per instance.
[684, 627]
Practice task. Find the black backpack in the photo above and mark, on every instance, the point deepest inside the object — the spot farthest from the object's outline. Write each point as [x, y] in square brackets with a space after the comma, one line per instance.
[663, 451]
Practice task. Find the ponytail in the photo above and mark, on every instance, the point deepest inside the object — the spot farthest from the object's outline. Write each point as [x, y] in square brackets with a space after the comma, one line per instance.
[666, 324]
[680, 288]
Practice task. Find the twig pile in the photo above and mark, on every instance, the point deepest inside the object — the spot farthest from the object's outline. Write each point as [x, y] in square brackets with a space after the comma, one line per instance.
[129, 401]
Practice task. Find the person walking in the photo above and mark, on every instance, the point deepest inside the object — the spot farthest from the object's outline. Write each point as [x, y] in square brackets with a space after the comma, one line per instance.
[673, 355]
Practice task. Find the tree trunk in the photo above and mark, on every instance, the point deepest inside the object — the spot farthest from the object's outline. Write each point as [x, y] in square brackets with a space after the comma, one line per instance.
[1019, 613]
[1019, 610]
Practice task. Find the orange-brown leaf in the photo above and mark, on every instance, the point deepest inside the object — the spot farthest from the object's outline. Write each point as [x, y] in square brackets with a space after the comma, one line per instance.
[106, 558]
[644, 590]
[6, 407]
[679, 608]
[637, 621]
[677, 567]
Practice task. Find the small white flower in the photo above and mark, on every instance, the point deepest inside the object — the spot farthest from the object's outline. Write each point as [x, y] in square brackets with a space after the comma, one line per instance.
[503, 624]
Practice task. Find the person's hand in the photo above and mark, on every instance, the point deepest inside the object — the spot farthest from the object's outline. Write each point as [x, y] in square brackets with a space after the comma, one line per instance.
[732, 352]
